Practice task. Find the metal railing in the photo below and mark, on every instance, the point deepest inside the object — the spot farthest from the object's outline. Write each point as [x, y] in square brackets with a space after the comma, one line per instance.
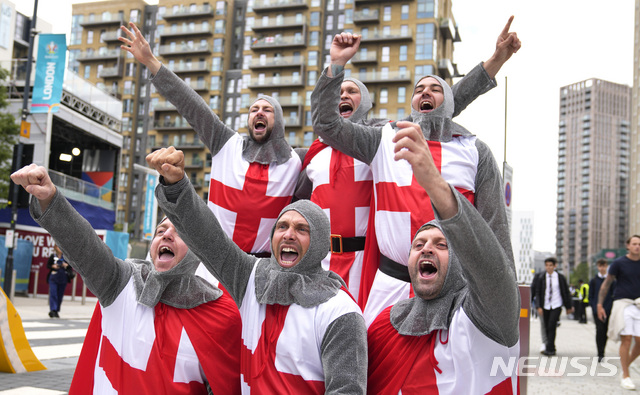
[83, 191]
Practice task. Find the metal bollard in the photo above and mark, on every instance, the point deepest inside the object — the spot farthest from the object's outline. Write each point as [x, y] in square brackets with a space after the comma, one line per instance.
[35, 283]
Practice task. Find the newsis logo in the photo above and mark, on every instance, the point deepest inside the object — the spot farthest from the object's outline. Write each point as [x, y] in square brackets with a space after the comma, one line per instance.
[554, 366]
[52, 48]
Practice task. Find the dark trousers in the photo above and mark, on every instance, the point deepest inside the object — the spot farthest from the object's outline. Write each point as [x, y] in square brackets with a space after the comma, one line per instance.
[583, 312]
[551, 318]
[57, 285]
[601, 333]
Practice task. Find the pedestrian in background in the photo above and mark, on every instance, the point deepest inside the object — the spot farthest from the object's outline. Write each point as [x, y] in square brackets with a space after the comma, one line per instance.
[594, 289]
[58, 280]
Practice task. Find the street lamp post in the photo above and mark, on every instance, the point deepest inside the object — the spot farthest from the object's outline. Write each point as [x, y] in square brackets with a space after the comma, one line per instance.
[8, 268]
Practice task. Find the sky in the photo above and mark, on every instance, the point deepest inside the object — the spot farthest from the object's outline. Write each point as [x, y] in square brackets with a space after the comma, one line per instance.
[563, 42]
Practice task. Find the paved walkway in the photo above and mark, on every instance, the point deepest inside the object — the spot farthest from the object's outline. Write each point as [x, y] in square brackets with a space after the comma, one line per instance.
[573, 340]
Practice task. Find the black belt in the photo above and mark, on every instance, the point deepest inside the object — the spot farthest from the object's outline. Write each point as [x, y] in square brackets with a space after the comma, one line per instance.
[394, 269]
[341, 244]
[261, 254]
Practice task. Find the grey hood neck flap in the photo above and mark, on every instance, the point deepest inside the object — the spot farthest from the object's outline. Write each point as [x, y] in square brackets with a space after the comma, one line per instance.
[417, 316]
[307, 283]
[178, 287]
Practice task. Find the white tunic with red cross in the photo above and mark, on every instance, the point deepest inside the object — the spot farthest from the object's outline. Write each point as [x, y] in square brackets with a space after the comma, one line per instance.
[342, 188]
[460, 360]
[247, 198]
[132, 348]
[402, 207]
[281, 344]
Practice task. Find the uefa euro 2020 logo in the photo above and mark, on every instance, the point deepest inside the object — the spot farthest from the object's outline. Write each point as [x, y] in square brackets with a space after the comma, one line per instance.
[52, 48]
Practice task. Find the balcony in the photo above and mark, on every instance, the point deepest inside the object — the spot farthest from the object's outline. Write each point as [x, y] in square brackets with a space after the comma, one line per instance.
[280, 42]
[445, 68]
[361, 2]
[184, 49]
[103, 20]
[289, 101]
[116, 71]
[366, 16]
[195, 163]
[447, 29]
[186, 30]
[198, 85]
[188, 12]
[387, 35]
[183, 145]
[177, 124]
[164, 106]
[374, 77]
[272, 5]
[365, 57]
[277, 62]
[293, 121]
[110, 37]
[102, 54]
[276, 81]
[279, 22]
[188, 67]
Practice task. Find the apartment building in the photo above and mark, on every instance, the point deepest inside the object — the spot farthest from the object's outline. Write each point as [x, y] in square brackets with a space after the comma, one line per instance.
[593, 170]
[232, 51]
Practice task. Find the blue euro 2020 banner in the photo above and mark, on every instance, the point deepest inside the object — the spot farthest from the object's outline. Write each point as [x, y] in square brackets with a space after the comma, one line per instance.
[150, 211]
[47, 88]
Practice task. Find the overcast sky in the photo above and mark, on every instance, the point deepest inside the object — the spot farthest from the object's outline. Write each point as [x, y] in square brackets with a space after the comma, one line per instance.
[563, 42]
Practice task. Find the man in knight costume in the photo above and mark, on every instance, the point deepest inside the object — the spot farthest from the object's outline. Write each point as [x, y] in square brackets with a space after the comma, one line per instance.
[158, 328]
[463, 321]
[252, 177]
[465, 162]
[301, 330]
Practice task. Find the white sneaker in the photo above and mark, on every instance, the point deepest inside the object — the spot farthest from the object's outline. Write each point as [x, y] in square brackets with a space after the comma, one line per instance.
[627, 384]
[543, 347]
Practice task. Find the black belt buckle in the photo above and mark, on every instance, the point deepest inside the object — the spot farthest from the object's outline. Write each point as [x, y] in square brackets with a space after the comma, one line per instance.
[339, 243]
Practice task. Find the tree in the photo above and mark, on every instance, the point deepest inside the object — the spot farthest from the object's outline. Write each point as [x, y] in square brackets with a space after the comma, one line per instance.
[581, 272]
[9, 131]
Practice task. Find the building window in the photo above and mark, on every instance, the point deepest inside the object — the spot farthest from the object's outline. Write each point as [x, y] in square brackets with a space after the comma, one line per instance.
[424, 41]
[215, 83]
[330, 4]
[314, 19]
[308, 138]
[384, 96]
[214, 102]
[402, 94]
[314, 38]
[329, 25]
[216, 64]
[218, 45]
[425, 8]
[386, 16]
[403, 53]
[404, 12]
[87, 72]
[311, 77]
[313, 58]
[385, 54]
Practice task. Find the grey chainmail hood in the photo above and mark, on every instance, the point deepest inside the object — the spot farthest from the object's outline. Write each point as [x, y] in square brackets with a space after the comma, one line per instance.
[178, 287]
[275, 149]
[417, 317]
[360, 114]
[437, 124]
[306, 283]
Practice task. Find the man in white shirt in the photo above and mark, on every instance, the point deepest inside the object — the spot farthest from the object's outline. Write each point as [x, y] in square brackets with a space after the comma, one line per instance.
[552, 294]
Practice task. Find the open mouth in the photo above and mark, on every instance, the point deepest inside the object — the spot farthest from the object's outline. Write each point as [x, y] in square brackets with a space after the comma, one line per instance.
[427, 269]
[260, 125]
[426, 106]
[165, 253]
[288, 255]
[346, 109]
